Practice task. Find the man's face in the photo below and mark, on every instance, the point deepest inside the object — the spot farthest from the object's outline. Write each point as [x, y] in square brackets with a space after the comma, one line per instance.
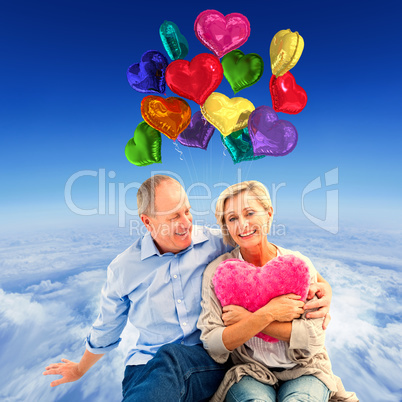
[171, 226]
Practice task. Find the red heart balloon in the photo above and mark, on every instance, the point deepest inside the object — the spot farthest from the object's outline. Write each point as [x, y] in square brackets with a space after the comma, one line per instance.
[195, 80]
[243, 284]
[287, 96]
[169, 116]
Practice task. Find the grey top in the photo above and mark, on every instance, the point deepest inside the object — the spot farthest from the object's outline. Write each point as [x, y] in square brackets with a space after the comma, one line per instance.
[306, 346]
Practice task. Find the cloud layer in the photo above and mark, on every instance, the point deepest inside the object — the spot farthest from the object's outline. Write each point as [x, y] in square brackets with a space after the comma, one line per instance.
[50, 294]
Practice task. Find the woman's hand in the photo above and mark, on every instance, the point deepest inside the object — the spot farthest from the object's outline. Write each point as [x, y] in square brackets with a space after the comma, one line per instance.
[233, 314]
[284, 308]
[68, 370]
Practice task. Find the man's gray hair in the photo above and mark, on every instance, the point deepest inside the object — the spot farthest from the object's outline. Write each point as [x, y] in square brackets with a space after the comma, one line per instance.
[146, 194]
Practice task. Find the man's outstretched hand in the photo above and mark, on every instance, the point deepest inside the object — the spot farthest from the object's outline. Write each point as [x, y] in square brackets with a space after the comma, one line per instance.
[324, 293]
[71, 371]
[68, 370]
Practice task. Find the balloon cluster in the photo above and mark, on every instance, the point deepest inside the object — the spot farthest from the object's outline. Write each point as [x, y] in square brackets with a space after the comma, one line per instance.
[247, 132]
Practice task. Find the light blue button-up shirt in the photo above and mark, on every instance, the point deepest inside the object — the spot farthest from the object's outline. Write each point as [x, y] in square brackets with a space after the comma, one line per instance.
[159, 294]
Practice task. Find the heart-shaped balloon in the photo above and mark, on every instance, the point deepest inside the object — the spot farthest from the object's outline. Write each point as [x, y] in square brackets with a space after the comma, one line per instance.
[169, 116]
[285, 51]
[148, 76]
[198, 133]
[243, 284]
[174, 42]
[269, 135]
[221, 34]
[239, 146]
[145, 147]
[195, 80]
[287, 96]
[242, 70]
[227, 115]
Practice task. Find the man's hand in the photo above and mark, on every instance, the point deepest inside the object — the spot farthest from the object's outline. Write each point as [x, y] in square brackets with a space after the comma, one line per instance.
[232, 314]
[324, 293]
[68, 370]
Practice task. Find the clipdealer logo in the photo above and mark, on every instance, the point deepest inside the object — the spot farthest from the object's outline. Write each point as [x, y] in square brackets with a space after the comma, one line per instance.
[108, 191]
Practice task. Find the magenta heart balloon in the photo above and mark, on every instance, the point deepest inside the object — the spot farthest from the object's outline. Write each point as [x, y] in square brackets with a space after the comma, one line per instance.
[221, 34]
[243, 284]
[198, 133]
[269, 135]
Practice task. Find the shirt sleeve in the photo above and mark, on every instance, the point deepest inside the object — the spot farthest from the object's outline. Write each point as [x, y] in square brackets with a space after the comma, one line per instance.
[105, 332]
[210, 321]
[307, 333]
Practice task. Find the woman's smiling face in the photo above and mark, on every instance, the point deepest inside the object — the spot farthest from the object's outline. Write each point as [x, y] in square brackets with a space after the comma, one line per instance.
[246, 219]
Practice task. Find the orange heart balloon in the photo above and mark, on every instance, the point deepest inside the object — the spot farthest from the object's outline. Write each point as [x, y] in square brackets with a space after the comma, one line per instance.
[169, 116]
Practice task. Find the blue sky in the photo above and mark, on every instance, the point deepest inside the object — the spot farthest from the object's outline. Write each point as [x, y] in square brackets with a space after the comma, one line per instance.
[66, 105]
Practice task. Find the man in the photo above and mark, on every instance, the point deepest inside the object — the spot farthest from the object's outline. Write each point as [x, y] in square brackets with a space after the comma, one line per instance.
[156, 285]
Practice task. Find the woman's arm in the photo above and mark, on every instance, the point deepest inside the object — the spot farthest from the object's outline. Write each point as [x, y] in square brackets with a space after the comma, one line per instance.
[308, 336]
[279, 330]
[282, 308]
[282, 330]
[212, 327]
[210, 320]
[301, 333]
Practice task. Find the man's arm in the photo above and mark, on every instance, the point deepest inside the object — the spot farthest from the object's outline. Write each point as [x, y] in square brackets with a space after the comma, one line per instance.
[71, 371]
[103, 337]
[322, 289]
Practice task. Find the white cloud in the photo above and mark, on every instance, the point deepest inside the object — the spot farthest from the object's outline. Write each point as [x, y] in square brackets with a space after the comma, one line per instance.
[52, 288]
[41, 328]
[48, 254]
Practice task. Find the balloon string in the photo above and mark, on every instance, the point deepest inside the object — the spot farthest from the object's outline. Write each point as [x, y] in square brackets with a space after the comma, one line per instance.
[224, 149]
[176, 145]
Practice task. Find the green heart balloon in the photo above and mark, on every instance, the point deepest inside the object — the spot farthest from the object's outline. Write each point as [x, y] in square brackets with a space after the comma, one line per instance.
[239, 146]
[242, 70]
[145, 147]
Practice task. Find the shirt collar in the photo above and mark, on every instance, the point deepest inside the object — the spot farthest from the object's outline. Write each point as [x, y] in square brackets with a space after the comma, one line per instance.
[148, 246]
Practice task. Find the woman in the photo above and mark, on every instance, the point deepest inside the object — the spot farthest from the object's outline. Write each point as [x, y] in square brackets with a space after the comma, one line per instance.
[297, 368]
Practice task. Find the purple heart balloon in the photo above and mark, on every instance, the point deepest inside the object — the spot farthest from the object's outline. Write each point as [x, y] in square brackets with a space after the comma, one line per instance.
[198, 133]
[148, 76]
[269, 135]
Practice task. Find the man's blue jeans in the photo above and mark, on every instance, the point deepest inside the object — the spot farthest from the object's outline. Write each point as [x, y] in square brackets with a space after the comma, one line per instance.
[305, 388]
[176, 373]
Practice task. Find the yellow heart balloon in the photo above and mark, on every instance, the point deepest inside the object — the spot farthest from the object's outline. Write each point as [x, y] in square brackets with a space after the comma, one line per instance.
[227, 115]
[285, 51]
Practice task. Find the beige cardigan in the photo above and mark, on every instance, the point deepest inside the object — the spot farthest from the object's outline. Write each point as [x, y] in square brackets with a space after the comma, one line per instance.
[306, 346]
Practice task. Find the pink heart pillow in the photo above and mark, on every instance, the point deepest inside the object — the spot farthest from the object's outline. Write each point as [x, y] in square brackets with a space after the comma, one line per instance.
[243, 284]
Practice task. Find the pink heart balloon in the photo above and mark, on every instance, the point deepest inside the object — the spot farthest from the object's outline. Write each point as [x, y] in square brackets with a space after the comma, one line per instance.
[221, 34]
[243, 284]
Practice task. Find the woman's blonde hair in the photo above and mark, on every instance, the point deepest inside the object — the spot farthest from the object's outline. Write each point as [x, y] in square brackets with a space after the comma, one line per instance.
[254, 187]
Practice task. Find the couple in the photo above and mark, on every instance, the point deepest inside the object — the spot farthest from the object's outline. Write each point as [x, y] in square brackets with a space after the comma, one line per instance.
[156, 285]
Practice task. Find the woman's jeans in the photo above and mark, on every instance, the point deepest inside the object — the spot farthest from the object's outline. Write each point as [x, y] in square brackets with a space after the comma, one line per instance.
[305, 388]
[176, 373]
